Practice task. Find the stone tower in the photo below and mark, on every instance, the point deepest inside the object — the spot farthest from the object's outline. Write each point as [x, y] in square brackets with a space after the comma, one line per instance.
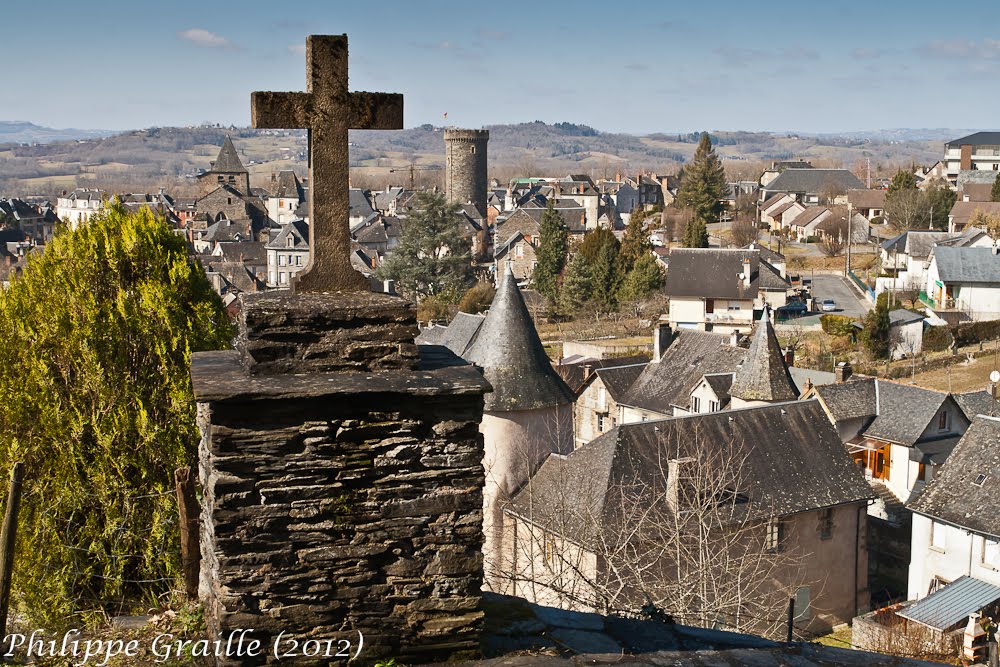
[528, 416]
[227, 169]
[465, 167]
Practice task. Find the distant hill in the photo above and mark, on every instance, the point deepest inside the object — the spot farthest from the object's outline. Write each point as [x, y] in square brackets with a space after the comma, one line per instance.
[170, 156]
[22, 132]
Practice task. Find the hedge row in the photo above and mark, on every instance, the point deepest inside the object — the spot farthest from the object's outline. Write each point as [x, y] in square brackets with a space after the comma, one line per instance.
[837, 325]
[976, 332]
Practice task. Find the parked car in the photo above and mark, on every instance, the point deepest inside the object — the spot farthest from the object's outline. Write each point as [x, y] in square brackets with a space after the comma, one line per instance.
[828, 305]
[792, 309]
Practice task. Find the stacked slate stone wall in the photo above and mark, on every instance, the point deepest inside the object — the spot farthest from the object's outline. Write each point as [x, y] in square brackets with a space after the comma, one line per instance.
[339, 503]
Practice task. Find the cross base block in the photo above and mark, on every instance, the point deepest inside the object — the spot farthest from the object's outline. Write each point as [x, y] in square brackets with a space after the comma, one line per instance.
[284, 332]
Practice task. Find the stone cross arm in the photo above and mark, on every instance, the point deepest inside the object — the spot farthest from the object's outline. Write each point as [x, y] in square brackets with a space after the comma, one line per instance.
[365, 111]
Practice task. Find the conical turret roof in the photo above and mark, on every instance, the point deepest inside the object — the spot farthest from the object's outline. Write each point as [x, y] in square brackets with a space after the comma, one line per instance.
[512, 358]
[764, 375]
[228, 160]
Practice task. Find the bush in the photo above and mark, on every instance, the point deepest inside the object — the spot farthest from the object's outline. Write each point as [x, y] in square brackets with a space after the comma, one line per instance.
[433, 309]
[976, 332]
[936, 339]
[878, 220]
[811, 239]
[838, 325]
[95, 378]
[477, 299]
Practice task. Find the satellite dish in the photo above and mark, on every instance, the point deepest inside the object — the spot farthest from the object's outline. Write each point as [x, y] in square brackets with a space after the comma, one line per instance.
[995, 376]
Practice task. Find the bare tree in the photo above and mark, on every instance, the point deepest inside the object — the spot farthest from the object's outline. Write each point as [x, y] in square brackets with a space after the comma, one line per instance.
[675, 531]
[907, 209]
[743, 232]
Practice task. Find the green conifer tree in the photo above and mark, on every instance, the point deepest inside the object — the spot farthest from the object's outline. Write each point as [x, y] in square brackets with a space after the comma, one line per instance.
[95, 378]
[875, 335]
[695, 234]
[644, 279]
[434, 255]
[577, 288]
[635, 244]
[903, 180]
[995, 190]
[605, 275]
[553, 245]
[704, 183]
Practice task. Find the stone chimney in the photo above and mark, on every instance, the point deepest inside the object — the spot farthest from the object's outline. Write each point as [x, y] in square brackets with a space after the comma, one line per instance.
[789, 354]
[842, 372]
[662, 335]
[734, 339]
[673, 481]
[746, 272]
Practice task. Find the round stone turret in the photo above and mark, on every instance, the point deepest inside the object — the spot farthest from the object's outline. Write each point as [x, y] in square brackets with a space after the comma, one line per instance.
[465, 167]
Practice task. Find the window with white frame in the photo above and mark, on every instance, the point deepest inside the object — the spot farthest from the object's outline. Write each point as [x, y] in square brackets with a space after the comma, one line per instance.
[991, 553]
[281, 260]
[696, 404]
[938, 535]
[775, 534]
[600, 423]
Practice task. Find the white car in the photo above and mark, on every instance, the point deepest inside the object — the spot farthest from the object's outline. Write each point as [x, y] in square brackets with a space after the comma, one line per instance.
[828, 305]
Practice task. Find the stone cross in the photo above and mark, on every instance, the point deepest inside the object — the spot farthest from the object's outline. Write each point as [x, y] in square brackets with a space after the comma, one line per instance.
[328, 111]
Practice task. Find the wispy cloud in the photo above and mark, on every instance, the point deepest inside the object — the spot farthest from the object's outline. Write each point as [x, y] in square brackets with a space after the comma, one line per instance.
[987, 49]
[493, 34]
[743, 57]
[297, 49]
[205, 39]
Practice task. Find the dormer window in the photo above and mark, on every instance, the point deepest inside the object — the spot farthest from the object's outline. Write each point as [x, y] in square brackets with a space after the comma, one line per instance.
[943, 421]
[290, 241]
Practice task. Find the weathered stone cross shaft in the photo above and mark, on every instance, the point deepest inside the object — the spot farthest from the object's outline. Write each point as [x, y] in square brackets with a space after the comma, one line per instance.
[328, 111]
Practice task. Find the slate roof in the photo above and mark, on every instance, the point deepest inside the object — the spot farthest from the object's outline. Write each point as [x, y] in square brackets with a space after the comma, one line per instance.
[669, 381]
[962, 211]
[359, 204]
[904, 411]
[974, 403]
[288, 186]
[790, 457]
[459, 334]
[575, 374]
[512, 358]
[903, 316]
[771, 201]
[866, 198]
[967, 265]
[298, 230]
[782, 208]
[712, 273]
[228, 160]
[809, 215]
[814, 180]
[976, 139]
[933, 452]
[248, 252]
[764, 376]
[769, 278]
[618, 379]
[950, 606]
[953, 495]
[977, 192]
[920, 242]
[721, 383]
[849, 400]
[766, 254]
[816, 378]
[373, 233]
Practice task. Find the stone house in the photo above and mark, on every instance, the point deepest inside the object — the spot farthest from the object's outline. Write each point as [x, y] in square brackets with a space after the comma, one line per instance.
[813, 186]
[287, 254]
[721, 289]
[869, 203]
[964, 280]
[37, 222]
[962, 211]
[596, 408]
[287, 193]
[956, 528]
[898, 434]
[79, 205]
[906, 257]
[806, 223]
[799, 486]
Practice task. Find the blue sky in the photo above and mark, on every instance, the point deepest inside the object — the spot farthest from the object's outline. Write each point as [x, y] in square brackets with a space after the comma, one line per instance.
[634, 66]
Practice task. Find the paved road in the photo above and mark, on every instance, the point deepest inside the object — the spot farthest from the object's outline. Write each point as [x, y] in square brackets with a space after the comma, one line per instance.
[849, 300]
